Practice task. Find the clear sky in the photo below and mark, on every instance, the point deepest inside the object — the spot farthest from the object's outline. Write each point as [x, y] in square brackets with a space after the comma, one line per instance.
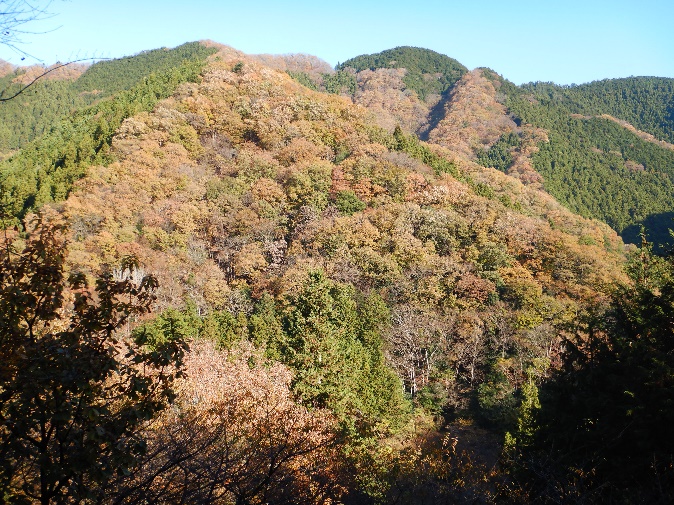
[565, 41]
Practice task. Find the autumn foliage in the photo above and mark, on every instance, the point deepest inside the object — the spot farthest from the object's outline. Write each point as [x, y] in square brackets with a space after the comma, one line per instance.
[371, 318]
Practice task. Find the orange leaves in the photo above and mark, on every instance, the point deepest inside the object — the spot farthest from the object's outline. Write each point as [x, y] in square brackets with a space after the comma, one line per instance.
[236, 429]
[476, 289]
[416, 184]
[382, 91]
[269, 198]
[287, 180]
[268, 190]
[301, 150]
[473, 117]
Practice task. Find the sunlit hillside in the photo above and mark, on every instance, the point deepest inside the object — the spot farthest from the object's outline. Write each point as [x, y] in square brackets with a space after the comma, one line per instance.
[283, 295]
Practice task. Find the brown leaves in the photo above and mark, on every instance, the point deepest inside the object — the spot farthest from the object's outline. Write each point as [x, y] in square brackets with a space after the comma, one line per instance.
[473, 117]
[237, 433]
[74, 391]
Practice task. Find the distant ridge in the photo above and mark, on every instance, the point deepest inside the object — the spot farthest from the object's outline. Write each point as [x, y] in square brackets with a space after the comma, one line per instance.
[419, 63]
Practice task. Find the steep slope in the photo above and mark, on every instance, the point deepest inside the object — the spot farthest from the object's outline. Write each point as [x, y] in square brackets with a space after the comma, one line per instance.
[402, 86]
[74, 87]
[473, 118]
[598, 166]
[565, 138]
[361, 302]
[237, 186]
[477, 125]
[45, 169]
[647, 103]
[426, 72]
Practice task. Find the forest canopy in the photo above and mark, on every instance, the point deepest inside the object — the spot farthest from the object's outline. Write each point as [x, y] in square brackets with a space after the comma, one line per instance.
[273, 290]
[427, 72]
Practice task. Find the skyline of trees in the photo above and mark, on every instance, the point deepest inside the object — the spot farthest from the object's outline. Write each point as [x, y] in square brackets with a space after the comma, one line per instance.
[371, 318]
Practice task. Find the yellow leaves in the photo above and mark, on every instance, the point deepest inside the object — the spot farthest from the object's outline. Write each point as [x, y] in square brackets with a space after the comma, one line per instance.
[308, 109]
[200, 106]
[520, 286]
[161, 240]
[358, 231]
[134, 126]
[407, 249]
[250, 262]
[216, 292]
[276, 157]
[229, 123]
[186, 218]
[187, 136]
[379, 270]
[431, 279]
[243, 220]
[528, 320]
[105, 242]
[269, 199]
[309, 185]
[341, 234]
[300, 150]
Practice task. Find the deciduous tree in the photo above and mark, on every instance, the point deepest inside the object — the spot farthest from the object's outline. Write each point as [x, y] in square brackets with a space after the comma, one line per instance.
[74, 392]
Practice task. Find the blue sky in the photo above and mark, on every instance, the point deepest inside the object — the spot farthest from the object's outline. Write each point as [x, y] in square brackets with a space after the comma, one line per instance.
[566, 42]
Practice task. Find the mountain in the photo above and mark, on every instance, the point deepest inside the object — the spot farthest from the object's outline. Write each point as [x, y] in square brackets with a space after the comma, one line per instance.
[603, 149]
[232, 191]
[73, 87]
[608, 154]
[70, 138]
[426, 72]
[372, 316]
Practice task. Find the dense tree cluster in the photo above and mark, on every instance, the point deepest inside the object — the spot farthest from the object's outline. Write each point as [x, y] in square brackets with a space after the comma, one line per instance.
[499, 154]
[338, 83]
[644, 102]
[593, 163]
[427, 72]
[371, 318]
[436, 288]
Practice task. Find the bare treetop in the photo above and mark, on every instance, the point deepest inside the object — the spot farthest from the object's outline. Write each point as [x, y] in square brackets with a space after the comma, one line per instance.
[15, 15]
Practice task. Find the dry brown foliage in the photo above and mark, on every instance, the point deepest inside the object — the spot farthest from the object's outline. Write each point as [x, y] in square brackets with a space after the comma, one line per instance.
[235, 434]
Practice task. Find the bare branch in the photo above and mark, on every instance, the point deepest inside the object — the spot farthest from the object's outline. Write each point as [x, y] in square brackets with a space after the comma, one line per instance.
[14, 14]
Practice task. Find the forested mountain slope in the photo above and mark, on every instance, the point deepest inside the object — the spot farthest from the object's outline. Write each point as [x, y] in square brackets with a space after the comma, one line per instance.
[367, 262]
[598, 166]
[66, 144]
[600, 148]
[647, 103]
[361, 305]
[74, 87]
[426, 72]
[402, 86]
